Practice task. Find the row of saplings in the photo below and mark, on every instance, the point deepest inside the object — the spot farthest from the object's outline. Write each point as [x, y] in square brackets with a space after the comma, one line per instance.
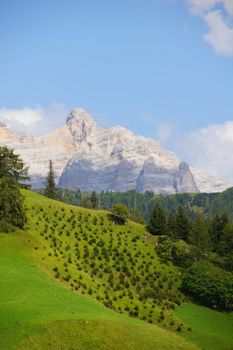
[128, 279]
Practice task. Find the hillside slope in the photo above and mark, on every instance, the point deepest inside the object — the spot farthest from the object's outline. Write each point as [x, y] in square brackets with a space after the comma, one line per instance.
[38, 312]
[116, 265]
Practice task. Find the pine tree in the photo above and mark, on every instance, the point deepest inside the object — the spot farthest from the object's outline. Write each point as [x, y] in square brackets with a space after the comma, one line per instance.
[171, 226]
[199, 235]
[94, 199]
[225, 246]
[157, 223]
[13, 175]
[84, 200]
[183, 225]
[218, 224]
[12, 166]
[50, 183]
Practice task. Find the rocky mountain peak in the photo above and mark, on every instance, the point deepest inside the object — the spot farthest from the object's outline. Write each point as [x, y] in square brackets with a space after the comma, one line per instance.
[79, 115]
[80, 124]
[2, 125]
[91, 157]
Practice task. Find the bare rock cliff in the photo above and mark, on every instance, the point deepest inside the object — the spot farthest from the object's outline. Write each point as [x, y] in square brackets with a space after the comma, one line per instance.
[90, 157]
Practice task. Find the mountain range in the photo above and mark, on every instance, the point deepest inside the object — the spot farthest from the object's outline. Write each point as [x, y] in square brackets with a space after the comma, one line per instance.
[91, 157]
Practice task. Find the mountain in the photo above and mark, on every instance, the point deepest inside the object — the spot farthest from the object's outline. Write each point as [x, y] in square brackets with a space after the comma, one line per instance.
[209, 183]
[91, 157]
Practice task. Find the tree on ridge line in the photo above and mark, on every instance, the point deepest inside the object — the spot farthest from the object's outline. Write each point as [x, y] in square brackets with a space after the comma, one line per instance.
[50, 183]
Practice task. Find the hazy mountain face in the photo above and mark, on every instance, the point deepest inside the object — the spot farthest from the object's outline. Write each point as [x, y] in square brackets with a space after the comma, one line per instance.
[90, 157]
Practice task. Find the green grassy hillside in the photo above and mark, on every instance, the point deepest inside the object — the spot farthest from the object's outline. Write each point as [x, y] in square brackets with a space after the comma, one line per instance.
[211, 330]
[44, 271]
[115, 265]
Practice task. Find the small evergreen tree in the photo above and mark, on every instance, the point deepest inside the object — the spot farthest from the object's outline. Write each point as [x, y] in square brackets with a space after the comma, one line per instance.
[157, 223]
[84, 200]
[183, 225]
[50, 183]
[94, 199]
[171, 226]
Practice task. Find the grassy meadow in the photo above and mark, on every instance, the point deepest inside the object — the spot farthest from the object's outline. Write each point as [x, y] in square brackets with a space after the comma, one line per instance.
[38, 313]
[72, 280]
[211, 330]
[116, 265]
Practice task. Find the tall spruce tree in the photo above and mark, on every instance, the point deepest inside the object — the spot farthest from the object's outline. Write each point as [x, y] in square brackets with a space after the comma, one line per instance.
[226, 245]
[218, 224]
[183, 225]
[199, 234]
[50, 183]
[171, 226]
[13, 175]
[157, 223]
[94, 199]
[13, 167]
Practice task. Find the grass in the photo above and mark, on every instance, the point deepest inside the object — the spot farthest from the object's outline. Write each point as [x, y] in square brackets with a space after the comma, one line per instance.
[39, 311]
[115, 265]
[211, 330]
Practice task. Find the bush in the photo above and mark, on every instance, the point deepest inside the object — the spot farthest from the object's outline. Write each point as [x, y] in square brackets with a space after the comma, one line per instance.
[183, 254]
[119, 214]
[6, 227]
[209, 285]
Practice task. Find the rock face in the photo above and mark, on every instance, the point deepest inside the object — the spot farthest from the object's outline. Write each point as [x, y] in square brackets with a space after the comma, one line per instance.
[208, 183]
[89, 157]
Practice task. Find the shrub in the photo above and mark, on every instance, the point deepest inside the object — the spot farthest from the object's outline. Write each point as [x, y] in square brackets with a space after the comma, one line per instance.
[182, 254]
[119, 214]
[209, 285]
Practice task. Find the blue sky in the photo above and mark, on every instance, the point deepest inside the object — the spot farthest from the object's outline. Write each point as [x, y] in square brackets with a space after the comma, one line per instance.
[160, 68]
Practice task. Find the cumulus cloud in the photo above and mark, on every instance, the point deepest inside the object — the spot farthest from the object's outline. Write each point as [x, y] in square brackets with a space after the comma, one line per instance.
[218, 16]
[25, 116]
[211, 149]
[220, 35]
[34, 121]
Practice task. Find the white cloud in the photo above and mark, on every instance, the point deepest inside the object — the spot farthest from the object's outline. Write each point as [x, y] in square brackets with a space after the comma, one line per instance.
[211, 149]
[218, 16]
[25, 116]
[198, 7]
[34, 121]
[220, 35]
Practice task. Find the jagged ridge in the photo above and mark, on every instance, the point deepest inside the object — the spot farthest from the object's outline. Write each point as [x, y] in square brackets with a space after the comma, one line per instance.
[90, 157]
